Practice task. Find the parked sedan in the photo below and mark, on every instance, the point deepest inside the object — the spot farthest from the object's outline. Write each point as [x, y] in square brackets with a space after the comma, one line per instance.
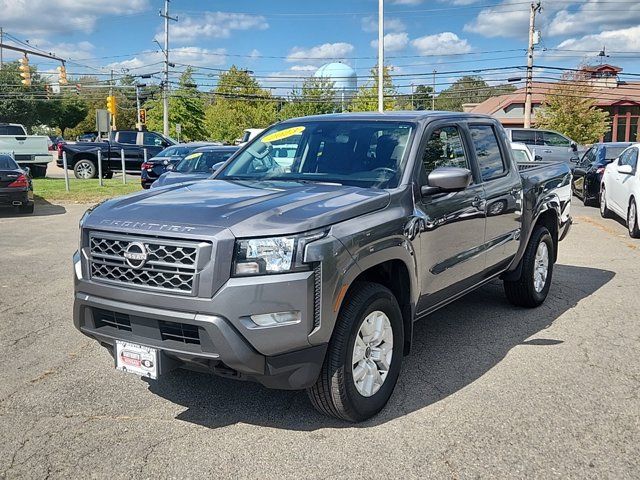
[620, 192]
[156, 166]
[199, 165]
[587, 173]
[16, 188]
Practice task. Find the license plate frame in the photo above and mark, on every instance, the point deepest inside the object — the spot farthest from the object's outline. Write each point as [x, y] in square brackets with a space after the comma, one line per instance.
[137, 359]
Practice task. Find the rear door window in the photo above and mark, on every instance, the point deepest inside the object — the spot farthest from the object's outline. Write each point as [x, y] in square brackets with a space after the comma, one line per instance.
[552, 139]
[127, 137]
[527, 137]
[485, 141]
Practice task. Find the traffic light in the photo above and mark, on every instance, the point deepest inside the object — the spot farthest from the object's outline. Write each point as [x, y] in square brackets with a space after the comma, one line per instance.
[143, 116]
[111, 104]
[25, 71]
[62, 75]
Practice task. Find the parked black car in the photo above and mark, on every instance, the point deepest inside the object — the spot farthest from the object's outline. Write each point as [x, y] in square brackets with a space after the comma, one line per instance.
[16, 188]
[587, 173]
[198, 165]
[82, 157]
[156, 166]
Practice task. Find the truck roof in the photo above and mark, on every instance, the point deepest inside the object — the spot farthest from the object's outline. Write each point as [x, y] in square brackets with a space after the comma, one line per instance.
[396, 115]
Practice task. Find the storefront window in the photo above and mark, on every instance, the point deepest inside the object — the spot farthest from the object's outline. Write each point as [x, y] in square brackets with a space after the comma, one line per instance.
[622, 129]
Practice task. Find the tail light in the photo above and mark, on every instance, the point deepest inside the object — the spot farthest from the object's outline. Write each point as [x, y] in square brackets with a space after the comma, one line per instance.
[21, 182]
[147, 166]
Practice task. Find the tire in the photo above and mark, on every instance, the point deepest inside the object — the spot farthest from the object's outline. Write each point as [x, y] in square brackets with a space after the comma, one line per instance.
[84, 169]
[38, 171]
[604, 210]
[531, 289]
[26, 209]
[107, 175]
[632, 219]
[336, 393]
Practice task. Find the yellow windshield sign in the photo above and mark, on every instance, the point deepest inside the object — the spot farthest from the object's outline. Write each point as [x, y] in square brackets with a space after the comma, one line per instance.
[193, 155]
[286, 133]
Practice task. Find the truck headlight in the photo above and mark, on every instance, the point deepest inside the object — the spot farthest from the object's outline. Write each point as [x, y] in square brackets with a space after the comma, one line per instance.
[264, 256]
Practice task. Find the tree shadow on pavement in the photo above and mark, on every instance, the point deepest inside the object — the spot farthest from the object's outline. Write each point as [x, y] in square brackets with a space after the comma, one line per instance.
[451, 349]
[43, 208]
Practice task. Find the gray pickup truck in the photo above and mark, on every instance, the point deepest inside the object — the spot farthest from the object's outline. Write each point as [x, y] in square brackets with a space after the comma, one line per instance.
[309, 273]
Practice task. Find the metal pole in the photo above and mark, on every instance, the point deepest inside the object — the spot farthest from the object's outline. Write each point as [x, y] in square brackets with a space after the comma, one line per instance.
[66, 172]
[381, 55]
[165, 89]
[124, 172]
[100, 167]
[529, 87]
[144, 151]
[433, 93]
[138, 106]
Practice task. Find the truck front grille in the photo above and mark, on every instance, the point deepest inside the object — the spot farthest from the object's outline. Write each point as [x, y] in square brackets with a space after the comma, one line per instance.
[179, 332]
[146, 263]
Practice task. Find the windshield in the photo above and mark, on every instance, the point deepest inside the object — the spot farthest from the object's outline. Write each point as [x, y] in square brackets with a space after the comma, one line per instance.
[358, 153]
[202, 162]
[611, 153]
[175, 151]
[11, 130]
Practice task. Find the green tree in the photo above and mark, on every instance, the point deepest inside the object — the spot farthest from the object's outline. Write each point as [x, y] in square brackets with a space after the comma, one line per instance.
[20, 104]
[570, 108]
[366, 100]
[186, 107]
[316, 97]
[238, 103]
[468, 89]
[421, 97]
[68, 112]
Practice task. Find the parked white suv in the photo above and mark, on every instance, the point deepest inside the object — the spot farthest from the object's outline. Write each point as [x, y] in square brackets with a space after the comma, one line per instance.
[620, 192]
[28, 150]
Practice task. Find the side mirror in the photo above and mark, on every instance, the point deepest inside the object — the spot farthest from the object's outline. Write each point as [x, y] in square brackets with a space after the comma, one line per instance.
[574, 146]
[216, 167]
[27, 170]
[447, 179]
[625, 169]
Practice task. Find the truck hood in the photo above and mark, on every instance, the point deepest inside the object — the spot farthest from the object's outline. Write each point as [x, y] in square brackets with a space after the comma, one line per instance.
[248, 209]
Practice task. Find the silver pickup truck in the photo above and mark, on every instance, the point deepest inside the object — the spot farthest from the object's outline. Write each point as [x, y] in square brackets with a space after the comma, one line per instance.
[310, 274]
[28, 150]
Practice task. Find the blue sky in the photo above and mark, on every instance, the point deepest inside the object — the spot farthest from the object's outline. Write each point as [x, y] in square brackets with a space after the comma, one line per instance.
[281, 40]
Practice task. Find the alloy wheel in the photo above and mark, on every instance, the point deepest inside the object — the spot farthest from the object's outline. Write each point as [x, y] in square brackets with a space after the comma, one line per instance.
[541, 267]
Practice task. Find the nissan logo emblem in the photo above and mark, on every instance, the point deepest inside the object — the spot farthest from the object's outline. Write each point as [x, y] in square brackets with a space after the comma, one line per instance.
[136, 255]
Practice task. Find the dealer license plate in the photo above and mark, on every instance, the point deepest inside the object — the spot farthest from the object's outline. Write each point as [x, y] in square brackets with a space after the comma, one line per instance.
[137, 359]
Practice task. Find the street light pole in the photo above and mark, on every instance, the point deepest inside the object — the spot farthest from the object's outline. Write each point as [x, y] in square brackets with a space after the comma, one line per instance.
[380, 55]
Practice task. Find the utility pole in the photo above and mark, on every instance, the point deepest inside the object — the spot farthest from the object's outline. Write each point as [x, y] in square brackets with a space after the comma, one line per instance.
[433, 92]
[535, 8]
[165, 89]
[381, 55]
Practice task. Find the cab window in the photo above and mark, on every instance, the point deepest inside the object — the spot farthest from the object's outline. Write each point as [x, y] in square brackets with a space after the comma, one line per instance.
[127, 137]
[152, 139]
[555, 140]
[444, 149]
[488, 153]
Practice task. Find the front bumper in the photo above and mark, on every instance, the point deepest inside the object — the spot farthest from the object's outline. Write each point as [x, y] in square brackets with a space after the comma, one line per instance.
[204, 343]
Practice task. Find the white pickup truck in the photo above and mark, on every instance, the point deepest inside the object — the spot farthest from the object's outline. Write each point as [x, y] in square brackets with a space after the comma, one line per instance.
[28, 150]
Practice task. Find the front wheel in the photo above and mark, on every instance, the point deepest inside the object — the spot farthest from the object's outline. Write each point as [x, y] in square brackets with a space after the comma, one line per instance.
[364, 358]
[531, 289]
[604, 210]
[632, 219]
[85, 169]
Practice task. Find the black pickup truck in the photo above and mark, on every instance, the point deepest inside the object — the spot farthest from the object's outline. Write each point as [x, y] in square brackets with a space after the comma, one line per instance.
[308, 272]
[82, 157]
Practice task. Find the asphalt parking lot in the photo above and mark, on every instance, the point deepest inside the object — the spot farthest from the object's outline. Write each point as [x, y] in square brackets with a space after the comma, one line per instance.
[489, 390]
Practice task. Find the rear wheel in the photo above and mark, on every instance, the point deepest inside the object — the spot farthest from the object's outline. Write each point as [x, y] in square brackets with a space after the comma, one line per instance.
[531, 289]
[604, 210]
[363, 361]
[85, 169]
[632, 219]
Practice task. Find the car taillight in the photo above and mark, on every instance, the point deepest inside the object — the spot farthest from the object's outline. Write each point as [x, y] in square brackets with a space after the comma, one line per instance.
[147, 166]
[60, 145]
[21, 182]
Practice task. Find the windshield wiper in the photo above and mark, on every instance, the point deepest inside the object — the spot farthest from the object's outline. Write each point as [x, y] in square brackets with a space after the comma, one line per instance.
[303, 180]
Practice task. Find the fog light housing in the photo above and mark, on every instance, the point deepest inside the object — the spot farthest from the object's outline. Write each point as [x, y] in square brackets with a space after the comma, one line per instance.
[276, 319]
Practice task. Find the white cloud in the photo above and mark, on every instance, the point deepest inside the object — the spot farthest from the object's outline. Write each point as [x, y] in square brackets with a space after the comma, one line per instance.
[150, 61]
[62, 16]
[393, 42]
[320, 53]
[594, 15]
[370, 24]
[445, 43]
[213, 25]
[67, 50]
[626, 39]
[303, 68]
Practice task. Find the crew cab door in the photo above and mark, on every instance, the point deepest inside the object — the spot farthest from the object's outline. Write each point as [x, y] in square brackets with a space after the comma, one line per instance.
[503, 194]
[557, 148]
[153, 142]
[451, 241]
[125, 140]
